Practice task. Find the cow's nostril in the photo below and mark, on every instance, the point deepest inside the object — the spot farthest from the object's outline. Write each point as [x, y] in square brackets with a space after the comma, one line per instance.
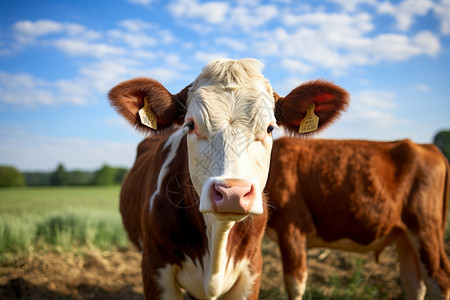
[250, 193]
[218, 194]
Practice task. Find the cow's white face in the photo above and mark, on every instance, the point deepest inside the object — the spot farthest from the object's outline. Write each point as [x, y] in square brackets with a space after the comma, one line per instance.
[230, 142]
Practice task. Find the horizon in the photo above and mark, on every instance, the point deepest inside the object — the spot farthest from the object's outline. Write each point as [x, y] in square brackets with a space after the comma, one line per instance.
[58, 61]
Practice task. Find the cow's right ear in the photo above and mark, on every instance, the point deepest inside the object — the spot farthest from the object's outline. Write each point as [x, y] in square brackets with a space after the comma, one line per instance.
[310, 107]
[129, 97]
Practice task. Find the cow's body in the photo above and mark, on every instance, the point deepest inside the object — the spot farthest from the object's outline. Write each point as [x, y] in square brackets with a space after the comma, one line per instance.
[193, 200]
[361, 196]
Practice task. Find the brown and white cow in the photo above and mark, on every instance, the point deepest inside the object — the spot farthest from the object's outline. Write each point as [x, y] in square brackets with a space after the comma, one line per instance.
[361, 196]
[193, 200]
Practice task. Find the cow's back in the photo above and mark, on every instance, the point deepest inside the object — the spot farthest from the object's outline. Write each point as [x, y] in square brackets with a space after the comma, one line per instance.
[333, 184]
[140, 183]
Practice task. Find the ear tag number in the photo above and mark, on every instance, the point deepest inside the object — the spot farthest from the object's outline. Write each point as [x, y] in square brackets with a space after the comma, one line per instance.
[310, 122]
[148, 118]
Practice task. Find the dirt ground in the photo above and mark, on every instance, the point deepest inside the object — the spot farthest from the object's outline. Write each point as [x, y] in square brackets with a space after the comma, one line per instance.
[116, 275]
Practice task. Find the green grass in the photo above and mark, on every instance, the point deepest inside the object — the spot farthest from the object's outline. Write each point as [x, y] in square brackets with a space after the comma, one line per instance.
[60, 218]
[353, 287]
[35, 201]
[68, 218]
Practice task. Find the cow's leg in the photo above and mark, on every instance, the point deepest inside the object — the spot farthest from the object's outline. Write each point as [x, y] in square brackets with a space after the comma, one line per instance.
[294, 254]
[248, 284]
[413, 286]
[433, 264]
[159, 283]
[246, 287]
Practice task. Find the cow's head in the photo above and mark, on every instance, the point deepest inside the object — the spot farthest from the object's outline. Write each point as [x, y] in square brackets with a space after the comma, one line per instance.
[229, 113]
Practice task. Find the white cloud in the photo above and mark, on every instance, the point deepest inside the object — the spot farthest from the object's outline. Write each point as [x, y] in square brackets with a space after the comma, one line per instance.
[398, 47]
[442, 11]
[206, 57]
[93, 79]
[337, 24]
[232, 43]
[249, 2]
[251, 17]
[28, 31]
[140, 34]
[406, 11]
[77, 47]
[135, 40]
[287, 85]
[376, 109]
[351, 5]
[296, 66]
[166, 37]
[135, 25]
[213, 12]
[246, 15]
[420, 87]
[142, 2]
[339, 41]
[374, 99]
[24, 90]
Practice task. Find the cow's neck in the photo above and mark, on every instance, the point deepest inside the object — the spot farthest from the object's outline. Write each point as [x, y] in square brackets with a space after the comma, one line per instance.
[217, 233]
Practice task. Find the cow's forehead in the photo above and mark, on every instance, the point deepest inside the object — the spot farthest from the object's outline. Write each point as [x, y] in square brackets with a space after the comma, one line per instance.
[231, 74]
[216, 107]
[231, 92]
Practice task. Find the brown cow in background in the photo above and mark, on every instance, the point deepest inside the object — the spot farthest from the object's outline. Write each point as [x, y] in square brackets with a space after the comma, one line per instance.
[361, 196]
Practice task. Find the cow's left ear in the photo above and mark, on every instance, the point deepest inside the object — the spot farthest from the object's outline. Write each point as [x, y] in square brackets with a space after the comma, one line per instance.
[147, 105]
[323, 98]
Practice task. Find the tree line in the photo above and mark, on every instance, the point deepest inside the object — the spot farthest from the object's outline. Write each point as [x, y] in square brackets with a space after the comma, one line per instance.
[106, 175]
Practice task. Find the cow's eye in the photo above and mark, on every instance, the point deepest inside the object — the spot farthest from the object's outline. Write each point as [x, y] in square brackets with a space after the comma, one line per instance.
[191, 125]
[270, 129]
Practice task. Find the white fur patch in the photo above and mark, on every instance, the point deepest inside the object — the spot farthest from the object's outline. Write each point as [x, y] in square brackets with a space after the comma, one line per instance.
[173, 142]
[235, 279]
[432, 286]
[168, 283]
[217, 275]
[296, 288]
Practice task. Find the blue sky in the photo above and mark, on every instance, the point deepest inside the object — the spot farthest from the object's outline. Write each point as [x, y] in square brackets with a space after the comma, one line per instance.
[58, 59]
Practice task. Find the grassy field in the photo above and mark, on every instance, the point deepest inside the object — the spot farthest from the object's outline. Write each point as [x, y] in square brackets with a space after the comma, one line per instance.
[79, 230]
[60, 219]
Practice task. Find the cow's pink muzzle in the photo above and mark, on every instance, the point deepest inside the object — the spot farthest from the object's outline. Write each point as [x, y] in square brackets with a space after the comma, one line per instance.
[232, 196]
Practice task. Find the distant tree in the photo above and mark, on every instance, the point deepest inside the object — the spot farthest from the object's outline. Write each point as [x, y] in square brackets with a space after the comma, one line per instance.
[105, 176]
[37, 178]
[78, 177]
[59, 177]
[442, 141]
[120, 175]
[10, 177]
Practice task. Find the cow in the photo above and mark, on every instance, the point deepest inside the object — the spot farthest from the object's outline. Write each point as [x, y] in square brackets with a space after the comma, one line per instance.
[361, 196]
[193, 201]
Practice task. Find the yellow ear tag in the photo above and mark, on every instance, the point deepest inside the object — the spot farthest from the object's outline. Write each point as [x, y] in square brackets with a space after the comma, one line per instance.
[310, 122]
[148, 118]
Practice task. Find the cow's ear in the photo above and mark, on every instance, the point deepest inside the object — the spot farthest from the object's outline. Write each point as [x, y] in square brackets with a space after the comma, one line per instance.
[162, 109]
[323, 98]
